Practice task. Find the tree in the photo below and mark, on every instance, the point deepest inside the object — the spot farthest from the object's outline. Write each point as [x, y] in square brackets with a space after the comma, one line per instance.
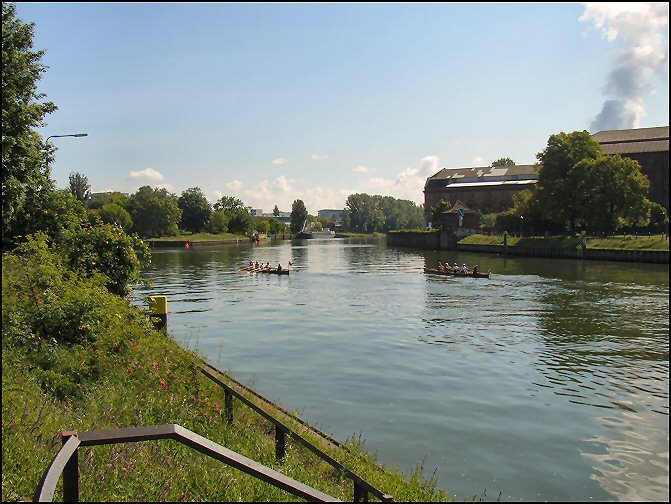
[506, 161]
[561, 190]
[24, 156]
[616, 193]
[155, 212]
[437, 213]
[106, 249]
[111, 213]
[228, 203]
[299, 215]
[240, 220]
[79, 186]
[218, 222]
[276, 211]
[196, 210]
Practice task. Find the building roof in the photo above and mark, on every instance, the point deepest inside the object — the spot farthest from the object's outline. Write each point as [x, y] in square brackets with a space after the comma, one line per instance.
[458, 205]
[493, 175]
[634, 141]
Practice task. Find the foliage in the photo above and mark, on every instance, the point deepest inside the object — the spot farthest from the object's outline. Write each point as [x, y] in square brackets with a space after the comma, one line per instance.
[218, 222]
[79, 186]
[116, 197]
[25, 157]
[616, 193]
[155, 212]
[275, 225]
[561, 187]
[106, 249]
[506, 161]
[112, 213]
[299, 215]
[437, 213]
[196, 210]
[364, 213]
[48, 210]
[240, 219]
[276, 211]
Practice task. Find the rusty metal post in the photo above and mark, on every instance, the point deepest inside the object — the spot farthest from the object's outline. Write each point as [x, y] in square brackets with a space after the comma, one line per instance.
[70, 472]
[228, 405]
[360, 493]
[279, 443]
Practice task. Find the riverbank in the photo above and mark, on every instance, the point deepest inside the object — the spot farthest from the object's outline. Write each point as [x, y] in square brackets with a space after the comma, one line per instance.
[76, 357]
[631, 248]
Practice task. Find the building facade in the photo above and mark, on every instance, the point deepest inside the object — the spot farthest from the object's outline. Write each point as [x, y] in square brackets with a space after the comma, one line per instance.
[484, 189]
[648, 146]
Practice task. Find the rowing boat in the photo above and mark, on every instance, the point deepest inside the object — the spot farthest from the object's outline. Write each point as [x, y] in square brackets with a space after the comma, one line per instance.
[274, 271]
[434, 271]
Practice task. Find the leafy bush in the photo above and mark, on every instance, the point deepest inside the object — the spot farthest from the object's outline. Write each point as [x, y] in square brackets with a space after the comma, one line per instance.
[108, 250]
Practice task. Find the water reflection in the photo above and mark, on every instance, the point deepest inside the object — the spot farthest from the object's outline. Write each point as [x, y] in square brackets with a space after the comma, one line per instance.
[548, 381]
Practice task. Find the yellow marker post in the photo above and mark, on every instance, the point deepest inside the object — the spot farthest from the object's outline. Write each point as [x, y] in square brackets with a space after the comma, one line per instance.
[158, 308]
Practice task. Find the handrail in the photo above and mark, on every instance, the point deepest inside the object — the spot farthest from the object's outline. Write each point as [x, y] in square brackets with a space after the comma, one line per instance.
[67, 458]
[361, 486]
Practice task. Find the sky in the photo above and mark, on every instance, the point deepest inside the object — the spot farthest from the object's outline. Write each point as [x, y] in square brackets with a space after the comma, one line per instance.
[273, 102]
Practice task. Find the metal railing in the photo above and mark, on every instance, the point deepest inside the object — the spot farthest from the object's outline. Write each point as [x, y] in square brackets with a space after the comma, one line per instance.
[361, 486]
[66, 461]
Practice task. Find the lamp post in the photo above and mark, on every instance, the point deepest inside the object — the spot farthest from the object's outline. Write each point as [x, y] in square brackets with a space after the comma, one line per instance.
[521, 225]
[46, 142]
[61, 136]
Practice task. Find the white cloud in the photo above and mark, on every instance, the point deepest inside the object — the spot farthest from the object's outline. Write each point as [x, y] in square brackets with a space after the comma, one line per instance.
[319, 156]
[234, 185]
[146, 174]
[478, 161]
[280, 161]
[361, 169]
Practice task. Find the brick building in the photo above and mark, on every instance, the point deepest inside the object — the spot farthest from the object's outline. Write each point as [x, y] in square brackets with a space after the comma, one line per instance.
[648, 146]
[485, 189]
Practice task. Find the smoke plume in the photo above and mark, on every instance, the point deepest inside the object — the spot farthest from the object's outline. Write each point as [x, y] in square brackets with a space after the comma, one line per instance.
[645, 52]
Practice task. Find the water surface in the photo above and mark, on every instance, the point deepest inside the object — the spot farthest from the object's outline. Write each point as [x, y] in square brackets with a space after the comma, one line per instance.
[548, 381]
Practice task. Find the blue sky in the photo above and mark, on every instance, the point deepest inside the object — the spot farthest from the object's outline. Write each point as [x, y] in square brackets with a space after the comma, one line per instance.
[272, 102]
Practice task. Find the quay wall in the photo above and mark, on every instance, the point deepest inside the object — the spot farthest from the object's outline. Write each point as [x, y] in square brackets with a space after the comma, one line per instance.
[441, 241]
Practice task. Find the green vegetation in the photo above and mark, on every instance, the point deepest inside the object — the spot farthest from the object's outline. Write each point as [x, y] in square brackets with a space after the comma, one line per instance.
[76, 357]
[622, 242]
[299, 215]
[368, 214]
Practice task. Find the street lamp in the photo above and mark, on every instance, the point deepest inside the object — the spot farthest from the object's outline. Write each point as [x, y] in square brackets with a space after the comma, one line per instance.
[521, 224]
[46, 142]
[61, 136]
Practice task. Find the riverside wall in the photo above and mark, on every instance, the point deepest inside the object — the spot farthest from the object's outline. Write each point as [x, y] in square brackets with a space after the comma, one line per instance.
[442, 241]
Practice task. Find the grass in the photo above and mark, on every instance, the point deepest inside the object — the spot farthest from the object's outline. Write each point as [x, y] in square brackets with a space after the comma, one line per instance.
[628, 242]
[123, 373]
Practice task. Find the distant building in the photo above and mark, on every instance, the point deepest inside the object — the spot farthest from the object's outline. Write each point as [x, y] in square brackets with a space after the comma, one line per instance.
[257, 212]
[284, 217]
[648, 146]
[485, 189]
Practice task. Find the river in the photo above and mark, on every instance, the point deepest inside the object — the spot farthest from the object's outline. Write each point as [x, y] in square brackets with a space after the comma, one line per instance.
[548, 381]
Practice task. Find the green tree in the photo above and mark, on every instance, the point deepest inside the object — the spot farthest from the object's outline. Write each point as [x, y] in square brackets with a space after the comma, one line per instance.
[25, 157]
[299, 215]
[218, 222]
[276, 211]
[111, 213]
[561, 189]
[228, 203]
[437, 213]
[196, 210]
[79, 186]
[155, 212]
[506, 161]
[616, 193]
[106, 249]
